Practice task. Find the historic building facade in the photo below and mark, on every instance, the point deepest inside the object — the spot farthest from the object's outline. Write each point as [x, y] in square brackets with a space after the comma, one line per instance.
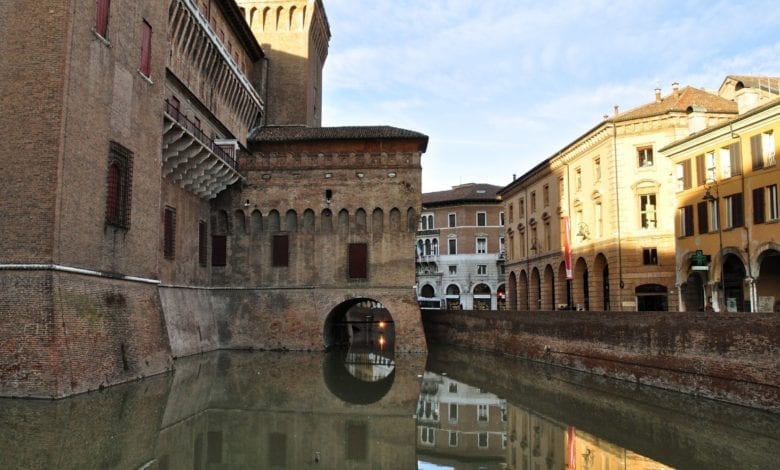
[591, 227]
[460, 249]
[728, 242]
[166, 212]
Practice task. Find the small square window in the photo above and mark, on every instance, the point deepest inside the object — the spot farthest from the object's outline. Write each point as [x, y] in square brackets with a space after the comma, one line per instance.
[482, 269]
[481, 219]
[649, 256]
[453, 269]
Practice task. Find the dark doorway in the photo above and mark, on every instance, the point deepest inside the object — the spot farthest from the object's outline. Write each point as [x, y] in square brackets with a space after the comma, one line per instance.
[733, 280]
[651, 298]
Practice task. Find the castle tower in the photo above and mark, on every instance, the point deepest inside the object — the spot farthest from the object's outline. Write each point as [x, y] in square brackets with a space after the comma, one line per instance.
[294, 35]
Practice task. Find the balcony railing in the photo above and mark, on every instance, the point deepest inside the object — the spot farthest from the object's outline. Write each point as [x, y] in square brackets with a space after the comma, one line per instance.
[196, 131]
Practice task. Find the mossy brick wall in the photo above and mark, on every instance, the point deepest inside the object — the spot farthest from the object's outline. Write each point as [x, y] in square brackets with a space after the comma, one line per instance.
[730, 357]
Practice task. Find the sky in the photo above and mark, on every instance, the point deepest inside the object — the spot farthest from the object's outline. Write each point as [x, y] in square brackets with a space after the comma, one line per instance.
[501, 85]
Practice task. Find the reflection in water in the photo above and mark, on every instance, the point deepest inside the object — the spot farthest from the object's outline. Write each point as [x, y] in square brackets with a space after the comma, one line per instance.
[299, 410]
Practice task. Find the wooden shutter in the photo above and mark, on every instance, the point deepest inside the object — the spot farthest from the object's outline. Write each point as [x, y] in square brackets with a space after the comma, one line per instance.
[758, 206]
[738, 214]
[357, 259]
[699, 170]
[687, 221]
[703, 222]
[218, 250]
[146, 49]
[686, 174]
[757, 151]
[735, 154]
[101, 17]
[281, 253]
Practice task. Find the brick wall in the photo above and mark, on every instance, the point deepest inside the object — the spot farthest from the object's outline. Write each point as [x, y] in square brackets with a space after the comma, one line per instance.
[730, 357]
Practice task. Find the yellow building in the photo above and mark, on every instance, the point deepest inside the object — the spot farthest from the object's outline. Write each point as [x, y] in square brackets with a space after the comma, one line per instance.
[727, 231]
[606, 198]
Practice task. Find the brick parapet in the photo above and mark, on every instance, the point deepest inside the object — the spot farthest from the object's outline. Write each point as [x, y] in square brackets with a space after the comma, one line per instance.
[726, 357]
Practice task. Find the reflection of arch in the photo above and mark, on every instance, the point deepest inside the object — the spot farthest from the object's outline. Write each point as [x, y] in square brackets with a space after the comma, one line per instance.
[535, 290]
[427, 291]
[522, 291]
[347, 387]
[548, 301]
[512, 294]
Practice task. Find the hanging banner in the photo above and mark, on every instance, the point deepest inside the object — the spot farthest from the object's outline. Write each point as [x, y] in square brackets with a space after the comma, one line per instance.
[566, 247]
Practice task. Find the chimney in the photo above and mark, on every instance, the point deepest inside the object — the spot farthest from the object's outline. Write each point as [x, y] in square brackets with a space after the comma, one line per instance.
[675, 87]
[657, 95]
[514, 176]
[616, 110]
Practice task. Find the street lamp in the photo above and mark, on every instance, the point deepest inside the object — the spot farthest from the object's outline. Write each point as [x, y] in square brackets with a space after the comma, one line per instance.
[716, 200]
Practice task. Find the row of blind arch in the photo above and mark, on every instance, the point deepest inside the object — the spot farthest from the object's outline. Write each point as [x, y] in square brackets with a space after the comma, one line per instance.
[257, 222]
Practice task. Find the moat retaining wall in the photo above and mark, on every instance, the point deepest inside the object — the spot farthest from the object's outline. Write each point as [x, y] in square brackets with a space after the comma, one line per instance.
[724, 356]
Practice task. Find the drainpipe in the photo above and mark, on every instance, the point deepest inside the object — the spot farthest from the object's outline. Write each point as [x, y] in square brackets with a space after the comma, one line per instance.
[617, 218]
[751, 282]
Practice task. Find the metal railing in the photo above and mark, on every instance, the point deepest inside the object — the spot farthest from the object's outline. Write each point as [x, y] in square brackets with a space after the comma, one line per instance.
[196, 131]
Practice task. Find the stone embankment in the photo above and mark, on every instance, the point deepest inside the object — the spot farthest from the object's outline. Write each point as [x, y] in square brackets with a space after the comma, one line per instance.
[733, 357]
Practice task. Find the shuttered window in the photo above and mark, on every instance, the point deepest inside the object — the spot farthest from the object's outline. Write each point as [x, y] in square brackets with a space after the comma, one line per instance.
[734, 211]
[281, 251]
[119, 184]
[218, 250]
[757, 151]
[169, 233]
[686, 221]
[357, 259]
[146, 49]
[759, 210]
[101, 18]
[703, 216]
[700, 172]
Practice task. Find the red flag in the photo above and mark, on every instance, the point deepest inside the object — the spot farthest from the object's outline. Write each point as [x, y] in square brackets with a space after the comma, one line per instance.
[566, 247]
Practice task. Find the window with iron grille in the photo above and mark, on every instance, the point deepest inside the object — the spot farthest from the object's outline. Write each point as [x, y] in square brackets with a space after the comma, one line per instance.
[169, 233]
[202, 241]
[218, 250]
[357, 258]
[119, 186]
[101, 18]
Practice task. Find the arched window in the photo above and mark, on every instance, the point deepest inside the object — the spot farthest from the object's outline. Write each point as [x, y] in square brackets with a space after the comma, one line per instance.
[427, 291]
[308, 220]
[326, 221]
[291, 221]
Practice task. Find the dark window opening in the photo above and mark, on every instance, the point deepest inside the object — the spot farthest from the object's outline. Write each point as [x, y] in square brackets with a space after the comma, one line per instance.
[281, 251]
[649, 256]
[357, 259]
[758, 206]
[328, 194]
[202, 240]
[686, 221]
[218, 250]
[703, 210]
[169, 233]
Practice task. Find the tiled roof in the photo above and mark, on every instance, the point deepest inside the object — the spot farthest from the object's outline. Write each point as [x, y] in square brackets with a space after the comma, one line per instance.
[680, 101]
[303, 133]
[470, 192]
[768, 84]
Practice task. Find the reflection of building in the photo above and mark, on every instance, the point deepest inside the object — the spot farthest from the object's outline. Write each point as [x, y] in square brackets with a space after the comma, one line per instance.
[538, 442]
[460, 249]
[728, 247]
[605, 198]
[459, 425]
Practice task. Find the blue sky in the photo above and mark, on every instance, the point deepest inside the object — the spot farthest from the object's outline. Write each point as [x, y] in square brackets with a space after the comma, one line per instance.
[500, 85]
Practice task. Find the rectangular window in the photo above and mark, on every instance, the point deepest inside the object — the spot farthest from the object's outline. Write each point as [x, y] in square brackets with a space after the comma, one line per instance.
[482, 440]
[482, 269]
[169, 233]
[522, 208]
[546, 195]
[647, 207]
[501, 245]
[686, 221]
[759, 211]
[501, 218]
[533, 202]
[280, 256]
[427, 435]
[452, 220]
[714, 212]
[453, 269]
[481, 245]
[218, 250]
[700, 170]
[146, 49]
[481, 219]
[119, 185]
[762, 150]
[547, 237]
[703, 213]
[596, 169]
[426, 222]
[101, 18]
[644, 156]
[709, 167]
[482, 413]
[684, 175]
[771, 200]
[453, 413]
[649, 256]
[452, 246]
[734, 211]
[730, 161]
[202, 240]
[578, 178]
[453, 439]
[358, 260]
[599, 220]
